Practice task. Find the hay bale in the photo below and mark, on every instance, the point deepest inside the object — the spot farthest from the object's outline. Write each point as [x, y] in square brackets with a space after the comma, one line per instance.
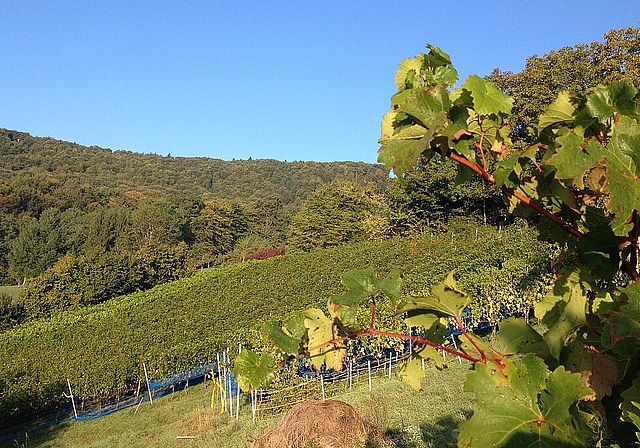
[328, 424]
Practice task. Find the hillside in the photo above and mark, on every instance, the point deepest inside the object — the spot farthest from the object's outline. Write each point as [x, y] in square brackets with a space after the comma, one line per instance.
[110, 171]
[59, 198]
[182, 324]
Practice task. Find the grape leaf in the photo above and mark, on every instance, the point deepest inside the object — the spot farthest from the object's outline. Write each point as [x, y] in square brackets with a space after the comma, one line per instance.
[347, 315]
[401, 155]
[427, 105]
[419, 318]
[448, 299]
[571, 161]
[626, 322]
[521, 403]
[390, 286]
[599, 370]
[569, 316]
[412, 374]
[320, 330]
[623, 182]
[600, 104]
[622, 96]
[387, 129]
[360, 286]
[487, 99]
[516, 336]
[445, 300]
[282, 340]
[559, 111]
[630, 396]
[408, 73]
[254, 371]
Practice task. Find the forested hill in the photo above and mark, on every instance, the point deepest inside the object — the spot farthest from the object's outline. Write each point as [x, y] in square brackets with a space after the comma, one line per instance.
[109, 172]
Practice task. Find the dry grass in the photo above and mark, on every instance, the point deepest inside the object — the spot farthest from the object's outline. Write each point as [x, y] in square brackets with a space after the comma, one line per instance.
[325, 424]
[411, 419]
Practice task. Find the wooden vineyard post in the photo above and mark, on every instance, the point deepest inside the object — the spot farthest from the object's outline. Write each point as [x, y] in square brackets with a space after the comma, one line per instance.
[73, 403]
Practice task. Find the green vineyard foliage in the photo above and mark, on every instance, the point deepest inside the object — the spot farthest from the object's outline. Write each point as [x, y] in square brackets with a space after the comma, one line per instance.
[177, 326]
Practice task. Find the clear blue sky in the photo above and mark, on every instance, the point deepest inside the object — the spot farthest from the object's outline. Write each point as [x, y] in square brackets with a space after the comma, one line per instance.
[289, 80]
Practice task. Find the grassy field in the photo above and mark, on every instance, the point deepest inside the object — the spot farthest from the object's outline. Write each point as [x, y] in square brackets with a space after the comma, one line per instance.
[411, 419]
[11, 291]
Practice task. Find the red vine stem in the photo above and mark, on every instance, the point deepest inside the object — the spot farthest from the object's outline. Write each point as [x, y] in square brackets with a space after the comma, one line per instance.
[481, 149]
[573, 230]
[474, 166]
[373, 313]
[416, 339]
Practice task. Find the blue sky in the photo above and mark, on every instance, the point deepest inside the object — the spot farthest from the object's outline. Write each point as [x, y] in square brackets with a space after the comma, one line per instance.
[288, 80]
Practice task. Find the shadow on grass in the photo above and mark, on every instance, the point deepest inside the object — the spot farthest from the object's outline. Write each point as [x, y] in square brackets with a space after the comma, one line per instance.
[442, 433]
[28, 439]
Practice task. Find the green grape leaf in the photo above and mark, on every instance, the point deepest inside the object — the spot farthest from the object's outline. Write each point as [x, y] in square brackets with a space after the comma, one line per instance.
[508, 171]
[402, 155]
[399, 98]
[446, 75]
[412, 374]
[427, 106]
[599, 104]
[623, 182]
[283, 341]
[630, 397]
[567, 317]
[521, 403]
[627, 135]
[360, 286]
[254, 371]
[347, 315]
[408, 73]
[571, 161]
[321, 330]
[419, 318]
[517, 336]
[390, 286]
[430, 353]
[560, 110]
[487, 99]
[626, 322]
[598, 249]
[448, 299]
[295, 328]
[546, 309]
[437, 58]
[604, 102]
[622, 96]
[413, 132]
[387, 128]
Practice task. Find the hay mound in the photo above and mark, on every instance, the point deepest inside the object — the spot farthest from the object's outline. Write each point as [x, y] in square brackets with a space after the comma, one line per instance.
[328, 424]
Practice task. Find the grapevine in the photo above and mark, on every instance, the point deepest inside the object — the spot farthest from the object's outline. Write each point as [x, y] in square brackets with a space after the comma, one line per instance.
[578, 182]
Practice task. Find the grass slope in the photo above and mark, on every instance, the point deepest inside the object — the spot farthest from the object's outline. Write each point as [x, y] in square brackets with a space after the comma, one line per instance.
[411, 419]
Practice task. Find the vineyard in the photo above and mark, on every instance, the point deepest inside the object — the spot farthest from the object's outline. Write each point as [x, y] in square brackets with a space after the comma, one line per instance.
[182, 324]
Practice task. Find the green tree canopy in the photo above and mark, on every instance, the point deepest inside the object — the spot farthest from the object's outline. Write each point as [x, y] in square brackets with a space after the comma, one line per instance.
[336, 213]
[42, 241]
[430, 196]
[216, 228]
[575, 69]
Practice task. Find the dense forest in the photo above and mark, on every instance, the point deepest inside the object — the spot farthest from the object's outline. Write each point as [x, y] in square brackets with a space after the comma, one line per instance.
[105, 223]
[80, 225]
